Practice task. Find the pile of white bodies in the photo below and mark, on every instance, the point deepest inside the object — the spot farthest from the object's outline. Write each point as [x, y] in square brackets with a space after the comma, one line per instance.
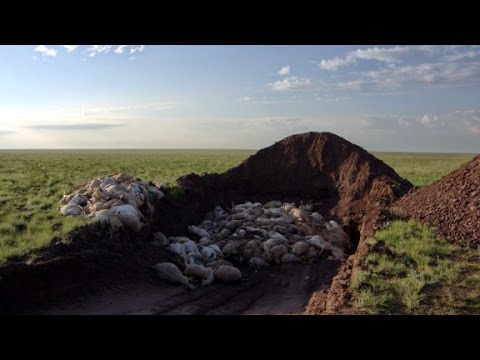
[120, 200]
[254, 234]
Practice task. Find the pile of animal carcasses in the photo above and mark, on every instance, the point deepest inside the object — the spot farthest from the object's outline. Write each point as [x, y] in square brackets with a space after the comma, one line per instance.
[254, 234]
[120, 200]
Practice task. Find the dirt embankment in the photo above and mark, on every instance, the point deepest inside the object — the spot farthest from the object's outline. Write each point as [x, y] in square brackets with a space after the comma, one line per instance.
[312, 166]
[451, 204]
[350, 185]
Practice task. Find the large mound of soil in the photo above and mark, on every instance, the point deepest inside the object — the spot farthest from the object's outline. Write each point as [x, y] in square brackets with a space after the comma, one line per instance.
[347, 183]
[451, 204]
[346, 179]
[351, 185]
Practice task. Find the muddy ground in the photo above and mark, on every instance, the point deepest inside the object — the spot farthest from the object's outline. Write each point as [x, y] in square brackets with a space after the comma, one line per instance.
[93, 273]
[285, 289]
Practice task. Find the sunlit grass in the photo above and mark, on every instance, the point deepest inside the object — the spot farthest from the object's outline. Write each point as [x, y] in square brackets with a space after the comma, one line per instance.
[412, 270]
[32, 183]
[423, 168]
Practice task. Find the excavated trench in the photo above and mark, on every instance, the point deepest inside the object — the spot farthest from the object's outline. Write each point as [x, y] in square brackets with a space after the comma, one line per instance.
[94, 273]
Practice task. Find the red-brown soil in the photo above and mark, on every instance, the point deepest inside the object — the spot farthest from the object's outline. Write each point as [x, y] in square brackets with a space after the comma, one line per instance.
[451, 204]
[95, 273]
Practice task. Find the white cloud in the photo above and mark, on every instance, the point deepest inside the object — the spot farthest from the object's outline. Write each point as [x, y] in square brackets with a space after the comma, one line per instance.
[386, 122]
[460, 123]
[337, 99]
[98, 49]
[92, 50]
[255, 132]
[446, 132]
[404, 121]
[284, 70]
[59, 126]
[461, 55]
[346, 85]
[397, 54]
[389, 79]
[429, 120]
[121, 112]
[290, 83]
[70, 47]
[334, 63]
[137, 49]
[474, 126]
[437, 49]
[120, 49]
[6, 132]
[264, 100]
[470, 118]
[388, 55]
[430, 49]
[375, 132]
[441, 73]
[46, 51]
[329, 98]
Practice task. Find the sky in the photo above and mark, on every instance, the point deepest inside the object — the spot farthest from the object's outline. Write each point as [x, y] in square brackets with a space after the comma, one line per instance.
[381, 97]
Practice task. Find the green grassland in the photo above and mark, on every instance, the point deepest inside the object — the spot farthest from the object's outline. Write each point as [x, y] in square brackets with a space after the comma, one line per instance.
[423, 168]
[32, 182]
[411, 270]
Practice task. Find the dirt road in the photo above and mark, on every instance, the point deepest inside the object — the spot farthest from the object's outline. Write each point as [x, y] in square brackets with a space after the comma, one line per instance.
[283, 289]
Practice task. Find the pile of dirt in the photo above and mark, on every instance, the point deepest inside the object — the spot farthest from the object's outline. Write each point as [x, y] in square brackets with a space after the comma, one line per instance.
[349, 185]
[89, 260]
[451, 204]
[348, 181]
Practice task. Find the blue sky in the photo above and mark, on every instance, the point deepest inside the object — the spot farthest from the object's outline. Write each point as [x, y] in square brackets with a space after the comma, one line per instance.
[391, 98]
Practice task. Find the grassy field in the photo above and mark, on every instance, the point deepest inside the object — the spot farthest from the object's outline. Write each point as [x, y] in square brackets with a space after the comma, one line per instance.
[32, 182]
[410, 270]
[423, 168]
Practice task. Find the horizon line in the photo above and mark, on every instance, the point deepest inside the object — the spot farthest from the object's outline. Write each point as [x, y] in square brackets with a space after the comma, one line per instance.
[225, 149]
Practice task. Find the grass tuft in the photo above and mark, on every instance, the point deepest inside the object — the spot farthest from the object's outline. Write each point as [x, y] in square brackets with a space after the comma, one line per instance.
[414, 271]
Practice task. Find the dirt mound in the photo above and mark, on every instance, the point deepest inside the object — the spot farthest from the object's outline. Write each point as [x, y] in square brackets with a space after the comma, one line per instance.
[351, 186]
[89, 260]
[312, 166]
[451, 204]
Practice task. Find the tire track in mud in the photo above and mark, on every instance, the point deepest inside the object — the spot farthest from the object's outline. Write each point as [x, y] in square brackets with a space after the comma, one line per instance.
[283, 289]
